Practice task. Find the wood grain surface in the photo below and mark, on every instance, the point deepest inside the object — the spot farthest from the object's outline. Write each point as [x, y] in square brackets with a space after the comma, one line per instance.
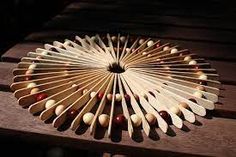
[197, 139]
[16, 52]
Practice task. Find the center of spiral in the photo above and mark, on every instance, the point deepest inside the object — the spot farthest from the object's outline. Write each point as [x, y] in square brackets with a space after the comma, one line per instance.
[115, 68]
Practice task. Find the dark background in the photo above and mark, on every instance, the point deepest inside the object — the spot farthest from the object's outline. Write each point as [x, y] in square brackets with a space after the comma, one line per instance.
[20, 17]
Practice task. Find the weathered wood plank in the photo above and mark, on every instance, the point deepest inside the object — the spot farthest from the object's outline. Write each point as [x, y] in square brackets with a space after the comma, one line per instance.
[210, 137]
[19, 50]
[227, 102]
[211, 51]
[84, 23]
[226, 70]
[6, 75]
[203, 49]
[52, 35]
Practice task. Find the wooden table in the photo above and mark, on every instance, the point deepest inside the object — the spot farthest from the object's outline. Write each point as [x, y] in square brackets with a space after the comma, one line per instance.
[208, 33]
